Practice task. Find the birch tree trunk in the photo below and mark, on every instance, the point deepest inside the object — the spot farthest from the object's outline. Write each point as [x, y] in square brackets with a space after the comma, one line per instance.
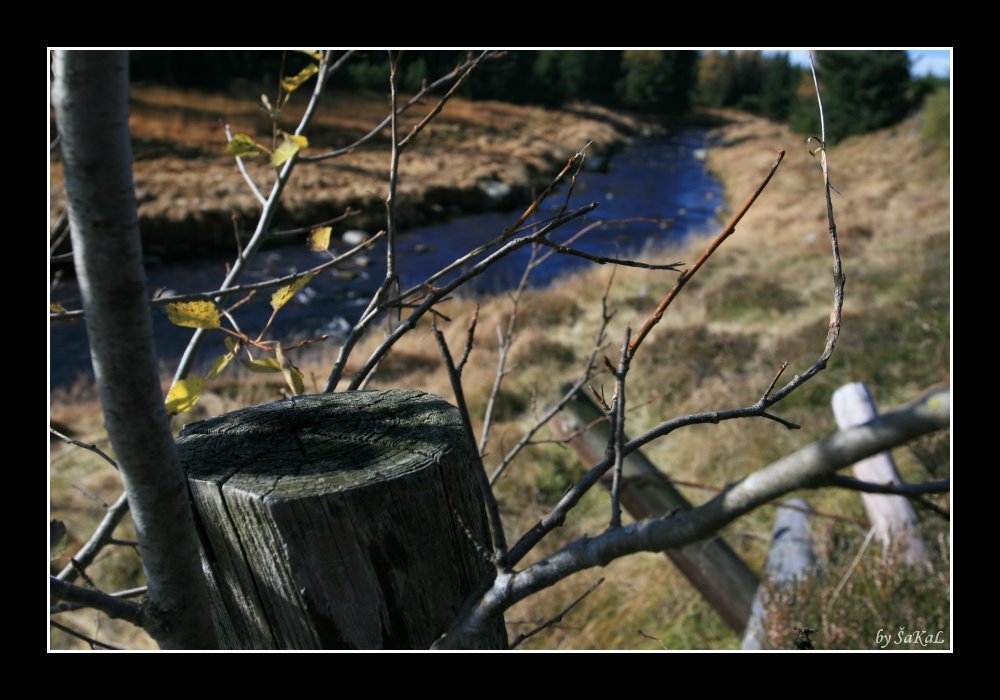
[90, 96]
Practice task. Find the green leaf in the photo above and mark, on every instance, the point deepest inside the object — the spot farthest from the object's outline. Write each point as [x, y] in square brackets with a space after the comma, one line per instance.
[293, 83]
[58, 539]
[288, 148]
[219, 364]
[286, 293]
[58, 309]
[184, 395]
[264, 365]
[230, 344]
[319, 238]
[293, 375]
[242, 146]
[193, 314]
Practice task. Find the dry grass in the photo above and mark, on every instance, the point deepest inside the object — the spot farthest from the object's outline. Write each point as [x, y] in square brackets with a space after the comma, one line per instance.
[188, 188]
[763, 299]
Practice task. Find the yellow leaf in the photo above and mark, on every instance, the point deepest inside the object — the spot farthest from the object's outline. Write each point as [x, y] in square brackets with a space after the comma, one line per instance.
[218, 365]
[293, 83]
[288, 148]
[264, 365]
[293, 375]
[184, 395]
[286, 293]
[243, 145]
[193, 314]
[319, 238]
[58, 309]
[315, 55]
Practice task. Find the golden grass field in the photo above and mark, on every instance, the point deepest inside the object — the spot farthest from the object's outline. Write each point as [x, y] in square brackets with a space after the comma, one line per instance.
[763, 298]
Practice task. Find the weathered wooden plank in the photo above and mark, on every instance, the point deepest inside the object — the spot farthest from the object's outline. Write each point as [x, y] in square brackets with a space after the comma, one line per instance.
[893, 517]
[712, 567]
[338, 521]
[791, 559]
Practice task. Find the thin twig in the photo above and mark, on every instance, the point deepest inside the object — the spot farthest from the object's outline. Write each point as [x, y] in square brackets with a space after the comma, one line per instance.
[506, 341]
[490, 501]
[264, 222]
[80, 635]
[852, 567]
[833, 331]
[102, 534]
[433, 298]
[348, 213]
[847, 482]
[619, 432]
[690, 272]
[603, 260]
[391, 276]
[568, 394]
[469, 340]
[69, 607]
[441, 103]
[385, 122]
[117, 608]
[218, 294]
[558, 618]
[510, 231]
[85, 445]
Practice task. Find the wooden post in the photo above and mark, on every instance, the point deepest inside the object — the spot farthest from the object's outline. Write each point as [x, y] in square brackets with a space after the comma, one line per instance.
[790, 560]
[338, 521]
[722, 578]
[893, 517]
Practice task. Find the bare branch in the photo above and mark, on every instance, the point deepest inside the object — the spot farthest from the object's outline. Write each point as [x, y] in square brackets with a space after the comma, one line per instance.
[603, 260]
[102, 535]
[441, 103]
[490, 501]
[69, 607]
[469, 340]
[87, 446]
[833, 332]
[690, 272]
[511, 230]
[219, 294]
[266, 215]
[809, 467]
[618, 434]
[80, 635]
[904, 489]
[521, 638]
[110, 605]
[506, 341]
[441, 292]
[385, 122]
[567, 396]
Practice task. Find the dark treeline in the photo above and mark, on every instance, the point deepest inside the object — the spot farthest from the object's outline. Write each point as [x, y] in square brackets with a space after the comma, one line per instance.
[863, 90]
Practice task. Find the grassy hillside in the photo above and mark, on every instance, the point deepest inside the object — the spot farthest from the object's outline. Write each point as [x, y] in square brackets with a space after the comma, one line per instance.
[763, 299]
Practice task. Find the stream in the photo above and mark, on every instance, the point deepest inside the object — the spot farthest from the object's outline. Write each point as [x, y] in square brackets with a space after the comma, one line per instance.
[661, 179]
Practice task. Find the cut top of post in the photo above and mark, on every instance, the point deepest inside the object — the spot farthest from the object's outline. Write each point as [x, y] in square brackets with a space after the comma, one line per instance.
[323, 443]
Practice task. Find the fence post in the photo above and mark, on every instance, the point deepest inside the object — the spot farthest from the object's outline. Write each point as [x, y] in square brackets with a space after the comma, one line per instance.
[712, 567]
[346, 521]
[893, 517]
[790, 560]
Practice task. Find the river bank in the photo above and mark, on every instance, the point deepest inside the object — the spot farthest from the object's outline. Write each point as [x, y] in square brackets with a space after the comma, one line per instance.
[474, 156]
[764, 298]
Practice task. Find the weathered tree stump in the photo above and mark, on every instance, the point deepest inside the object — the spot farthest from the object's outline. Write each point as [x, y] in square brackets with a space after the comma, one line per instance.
[346, 521]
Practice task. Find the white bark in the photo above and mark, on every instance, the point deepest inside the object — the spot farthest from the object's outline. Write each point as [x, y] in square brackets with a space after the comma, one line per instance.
[90, 95]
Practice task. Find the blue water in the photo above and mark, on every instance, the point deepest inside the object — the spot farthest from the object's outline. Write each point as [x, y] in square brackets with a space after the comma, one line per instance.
[660, 180]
